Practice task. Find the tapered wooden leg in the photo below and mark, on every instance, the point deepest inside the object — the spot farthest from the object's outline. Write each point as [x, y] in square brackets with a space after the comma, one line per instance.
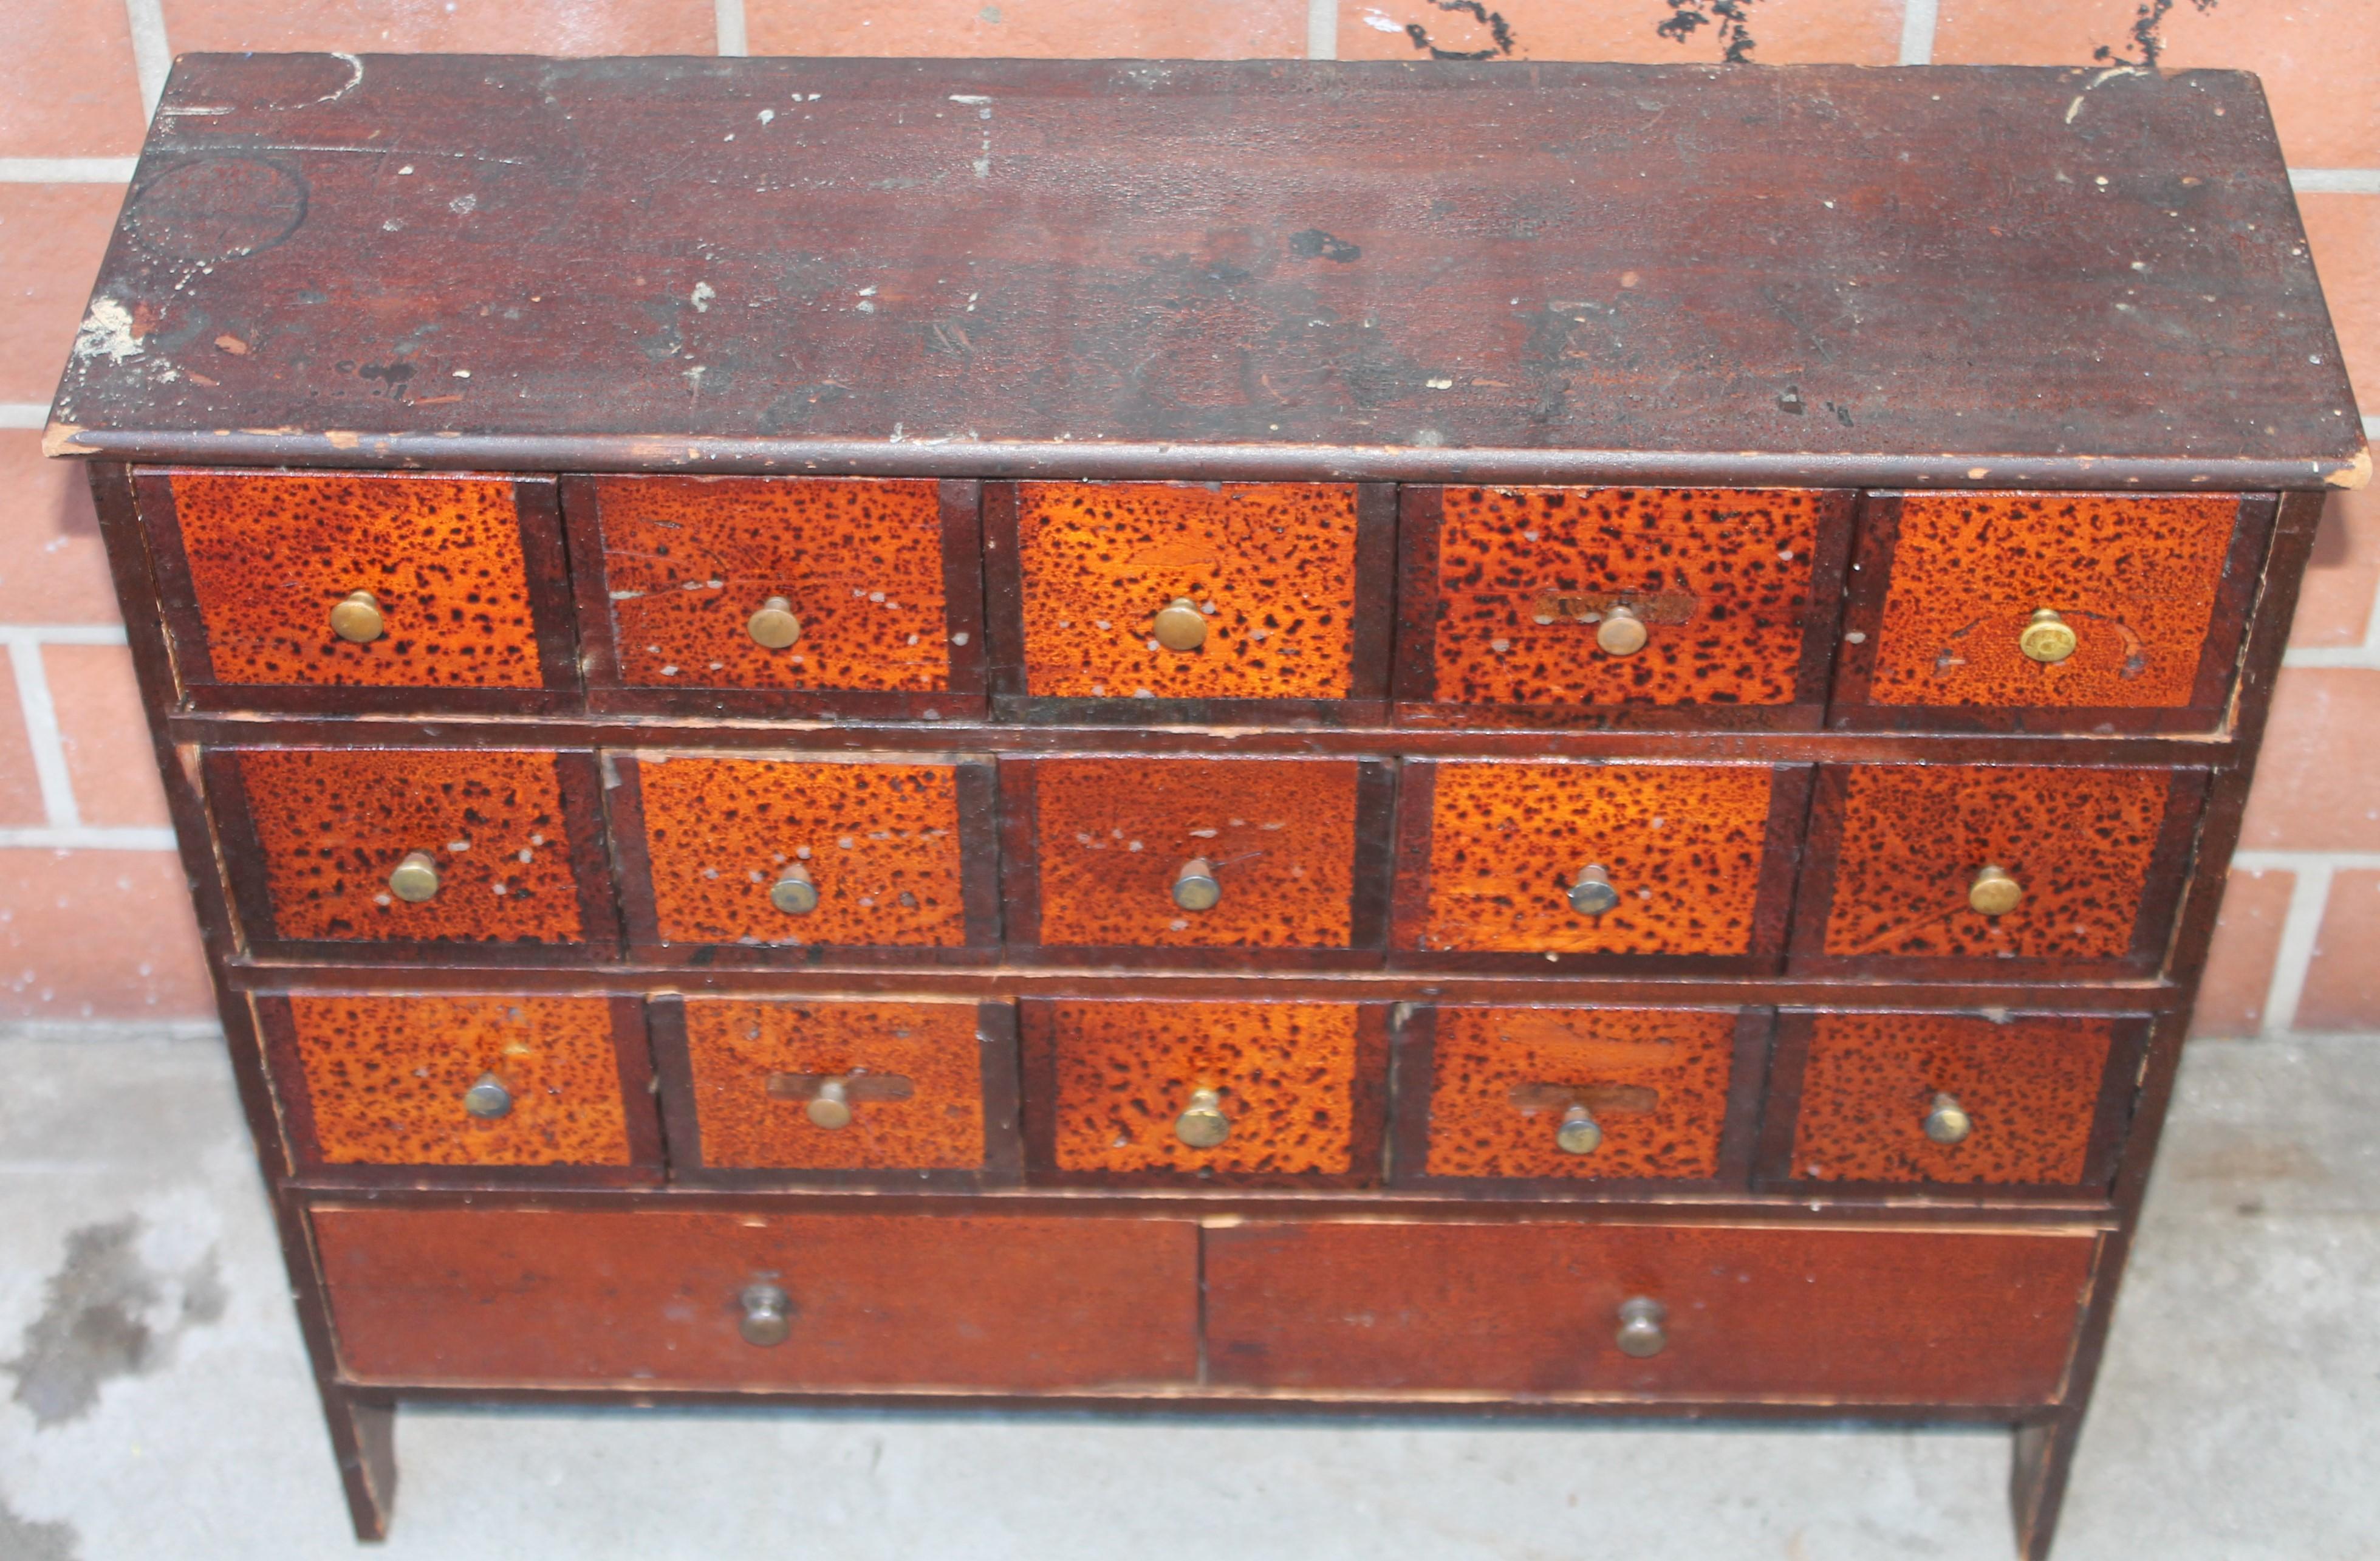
[363, 1437]
[2045, 1450]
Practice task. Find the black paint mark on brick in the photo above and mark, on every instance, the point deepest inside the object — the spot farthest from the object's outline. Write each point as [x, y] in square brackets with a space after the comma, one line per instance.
[1498, 30]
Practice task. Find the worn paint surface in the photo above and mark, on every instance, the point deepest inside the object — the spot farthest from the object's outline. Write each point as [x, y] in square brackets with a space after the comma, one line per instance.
[1272, 565]
[1655, 1080]
[1280, 836]
[736, 1045]
[1286, 1074]
[1682, 843]
[2028, 1084]
[335, 823]
[2134, 576]
[880, 843]
[2078, 841]
[272, 553]
[385, 1078]
[688, 561]
[1720, 578]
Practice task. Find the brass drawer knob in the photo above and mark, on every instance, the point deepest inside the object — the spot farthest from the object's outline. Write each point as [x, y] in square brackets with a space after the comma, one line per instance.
[2046, 636]
[1591, 893]
[1180, 626]
[415, 879]
[1194, 887]
[1203, 1124]
[488, 1099]
[1621, 633]
[1579, 1133]
[774, 626]
[792, 892]
[768, 1315]
[357, 619]
[1949, 1123]
[830, 1107]
[1994, 893]
[1641, 1331]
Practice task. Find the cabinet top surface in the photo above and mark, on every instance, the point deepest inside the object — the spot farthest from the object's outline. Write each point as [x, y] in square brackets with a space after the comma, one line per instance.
[1508, 272]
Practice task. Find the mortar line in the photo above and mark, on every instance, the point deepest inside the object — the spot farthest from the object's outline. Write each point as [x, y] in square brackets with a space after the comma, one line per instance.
[89, 838]
[67, 170]
[42, 736]
[2309, 898]
[1322, 30]
[2335, 181]
[152, 57]
[1917, 21]
[733, 37]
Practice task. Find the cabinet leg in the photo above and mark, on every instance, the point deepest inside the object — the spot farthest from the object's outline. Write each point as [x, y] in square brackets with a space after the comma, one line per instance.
[364, 1437]
[2045, 1450]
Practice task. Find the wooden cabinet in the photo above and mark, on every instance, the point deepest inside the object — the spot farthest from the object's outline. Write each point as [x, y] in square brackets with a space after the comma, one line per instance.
[1390, 779]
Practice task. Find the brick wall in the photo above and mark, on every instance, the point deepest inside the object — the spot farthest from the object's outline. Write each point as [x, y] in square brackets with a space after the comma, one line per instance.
[94, 924]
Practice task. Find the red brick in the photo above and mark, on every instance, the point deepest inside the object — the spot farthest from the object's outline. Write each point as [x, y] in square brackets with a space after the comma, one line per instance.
[1048, 29]
[68, 86]
[98, 936]
[2319, 71]
[2345, 233]
[2342, 989]
[109, 761]
[1783, 31]
[497, 27]
[2239, 967]
[52, 569]
[2317, 789]
[20, 785]
[51, 238]
[2335, 607]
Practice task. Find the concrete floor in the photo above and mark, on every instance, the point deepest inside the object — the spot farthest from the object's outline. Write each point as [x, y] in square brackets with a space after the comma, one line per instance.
[160, 1404]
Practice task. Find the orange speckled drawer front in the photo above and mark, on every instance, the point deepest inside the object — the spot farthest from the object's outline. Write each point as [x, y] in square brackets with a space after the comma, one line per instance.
[252, 563]
[881, 842]
[685, 562]
[1895, 850]
[2031, 1087]
[1301, 1085]
[313, 836]
[381, 1081]
[1272, 565]
[2152, 586]
[1504, 590]
[1654, 1080]
[929, 1054]
[1489, 852]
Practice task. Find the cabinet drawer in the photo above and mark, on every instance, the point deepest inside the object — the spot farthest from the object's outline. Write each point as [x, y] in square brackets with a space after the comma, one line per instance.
[462, 604]
[805, 854]
[1957, 869]
[780, 595]
[1561, 1094]
[1232, 1094]
[416, 845]
[1540, 866]
[1952, 1099]
[1141, 601]
[1617, 607]
[483, 1080]
[663, 1298]
[1281, 861]
[1865, 1316]
[916, 1092]
[2048, 612]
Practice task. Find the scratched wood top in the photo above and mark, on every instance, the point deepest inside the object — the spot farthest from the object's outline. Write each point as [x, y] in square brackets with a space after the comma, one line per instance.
[1962, 276]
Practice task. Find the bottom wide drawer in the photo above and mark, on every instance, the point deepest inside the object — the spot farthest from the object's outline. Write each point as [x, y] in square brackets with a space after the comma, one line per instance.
[1938, 1316]
[531, 1297]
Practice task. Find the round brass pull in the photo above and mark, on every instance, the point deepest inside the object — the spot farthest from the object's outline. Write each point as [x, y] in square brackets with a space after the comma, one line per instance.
[2046, 636]
[830, 1107]
[1591, 893]
[768, 1315]
[1949, 1123]
[1579, 1133]
[357, 619]
[1202, 1125]
[1993, 892]
[774, 626]
[1180, 626]
[1641, 1331]
[1194, 887]
[792, 892]
[488, 1099]
[1621, 633]
[415, 879]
